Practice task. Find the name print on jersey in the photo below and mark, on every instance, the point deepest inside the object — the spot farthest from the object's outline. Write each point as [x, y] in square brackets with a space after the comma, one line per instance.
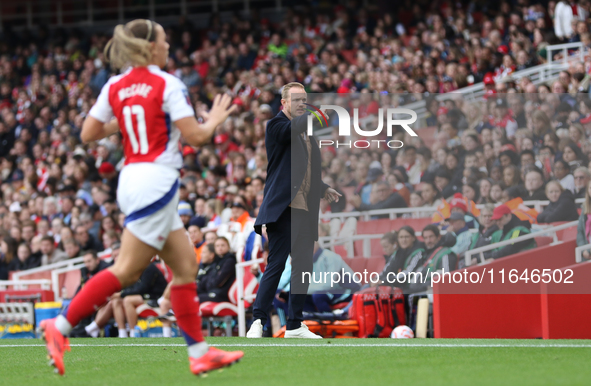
[141, 89]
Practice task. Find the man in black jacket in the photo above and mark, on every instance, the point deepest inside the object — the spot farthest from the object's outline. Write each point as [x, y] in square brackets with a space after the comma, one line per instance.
[290, 209]
[92, 266]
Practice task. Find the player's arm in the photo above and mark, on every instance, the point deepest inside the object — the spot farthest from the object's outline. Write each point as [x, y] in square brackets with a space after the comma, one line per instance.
[197, 134]
[93, 129]
[100, 122]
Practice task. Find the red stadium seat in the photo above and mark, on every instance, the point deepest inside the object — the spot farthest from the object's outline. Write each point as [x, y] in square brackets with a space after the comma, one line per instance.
[145, 311]
[376, 247]
[357, 264]
[543, 240]
[210, 309]
[371, 227]
[375, 264]
[341, 250]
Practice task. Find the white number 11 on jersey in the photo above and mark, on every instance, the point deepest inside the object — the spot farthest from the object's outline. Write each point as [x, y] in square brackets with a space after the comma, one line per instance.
[140, 117]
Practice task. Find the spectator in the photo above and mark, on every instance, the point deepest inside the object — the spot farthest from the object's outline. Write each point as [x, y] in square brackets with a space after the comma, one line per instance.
[186, 212]
[407, 257]
[51, 254]
[217, 272]
[26, 260]
[150, 286]
[84, 239]
[564, 14]
[92, 266]
[71, 248]
[438, 256]
[196, 237]
[510, 227]
[562, 174]
[562, 205]
[584, 227]
[534, 184]
[487, 229]
[382, 198]
[8, 253]
[389, 243]
[324, 294]
[582, 178]
[457, 225]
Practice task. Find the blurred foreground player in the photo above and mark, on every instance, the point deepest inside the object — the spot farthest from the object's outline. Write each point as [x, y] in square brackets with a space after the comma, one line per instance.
[145, 101]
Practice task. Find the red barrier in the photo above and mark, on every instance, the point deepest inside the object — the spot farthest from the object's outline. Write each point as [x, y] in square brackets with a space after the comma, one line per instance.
[497, 310]
[568, 315]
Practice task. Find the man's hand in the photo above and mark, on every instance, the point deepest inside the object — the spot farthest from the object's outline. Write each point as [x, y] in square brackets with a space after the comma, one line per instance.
[254, 269]
[332, 195]
[586, 254]
[278, 296]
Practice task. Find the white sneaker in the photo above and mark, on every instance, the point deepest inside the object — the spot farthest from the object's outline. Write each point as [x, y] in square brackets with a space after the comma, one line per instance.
[256, 330]
[302, 332]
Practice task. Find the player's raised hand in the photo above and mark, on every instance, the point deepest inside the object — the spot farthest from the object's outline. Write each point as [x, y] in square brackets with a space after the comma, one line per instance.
[221, 109]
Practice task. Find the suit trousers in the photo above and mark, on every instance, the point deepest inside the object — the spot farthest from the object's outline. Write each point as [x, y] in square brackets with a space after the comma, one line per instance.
[290, 234]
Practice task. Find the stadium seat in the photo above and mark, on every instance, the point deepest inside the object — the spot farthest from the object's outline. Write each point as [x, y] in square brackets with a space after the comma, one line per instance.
[145, 311]
[341, 250]
[213, 311]
[543, 240]
[375, 264]
[357, 264]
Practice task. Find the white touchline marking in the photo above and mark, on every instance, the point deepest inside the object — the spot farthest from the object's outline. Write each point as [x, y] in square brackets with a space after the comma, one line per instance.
[501, 345]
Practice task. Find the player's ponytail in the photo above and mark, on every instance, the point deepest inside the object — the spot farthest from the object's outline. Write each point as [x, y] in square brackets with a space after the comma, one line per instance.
[130, 45]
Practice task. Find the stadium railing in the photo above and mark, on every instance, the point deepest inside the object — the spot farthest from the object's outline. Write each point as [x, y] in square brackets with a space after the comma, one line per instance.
[55, 280]
[24, 284]
[394, 212]
[241, 297]
[552, 231]
[538, 74]
[47, 268]
[579, 252]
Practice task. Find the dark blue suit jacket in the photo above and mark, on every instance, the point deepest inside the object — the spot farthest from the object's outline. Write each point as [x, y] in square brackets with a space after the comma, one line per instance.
[287, 163]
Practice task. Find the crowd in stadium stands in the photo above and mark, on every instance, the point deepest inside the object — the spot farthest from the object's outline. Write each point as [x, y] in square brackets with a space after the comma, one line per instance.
[523, 142]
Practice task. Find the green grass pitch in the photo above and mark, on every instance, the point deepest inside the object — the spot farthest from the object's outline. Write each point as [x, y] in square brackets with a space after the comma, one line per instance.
[279, 362]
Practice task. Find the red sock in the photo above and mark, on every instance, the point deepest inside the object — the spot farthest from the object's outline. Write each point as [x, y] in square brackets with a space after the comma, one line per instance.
[185, 304]
[94, 294]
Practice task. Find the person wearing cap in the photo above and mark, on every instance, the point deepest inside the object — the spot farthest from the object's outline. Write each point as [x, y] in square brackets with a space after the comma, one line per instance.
[510, 227]
[489, 81]
[224, 146]
[110, 176]
[17, 180]
[290, 210]
[457, 225]
[185, 212]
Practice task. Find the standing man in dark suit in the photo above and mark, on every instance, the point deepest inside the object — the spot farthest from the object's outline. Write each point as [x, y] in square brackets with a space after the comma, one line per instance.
[290, 210]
